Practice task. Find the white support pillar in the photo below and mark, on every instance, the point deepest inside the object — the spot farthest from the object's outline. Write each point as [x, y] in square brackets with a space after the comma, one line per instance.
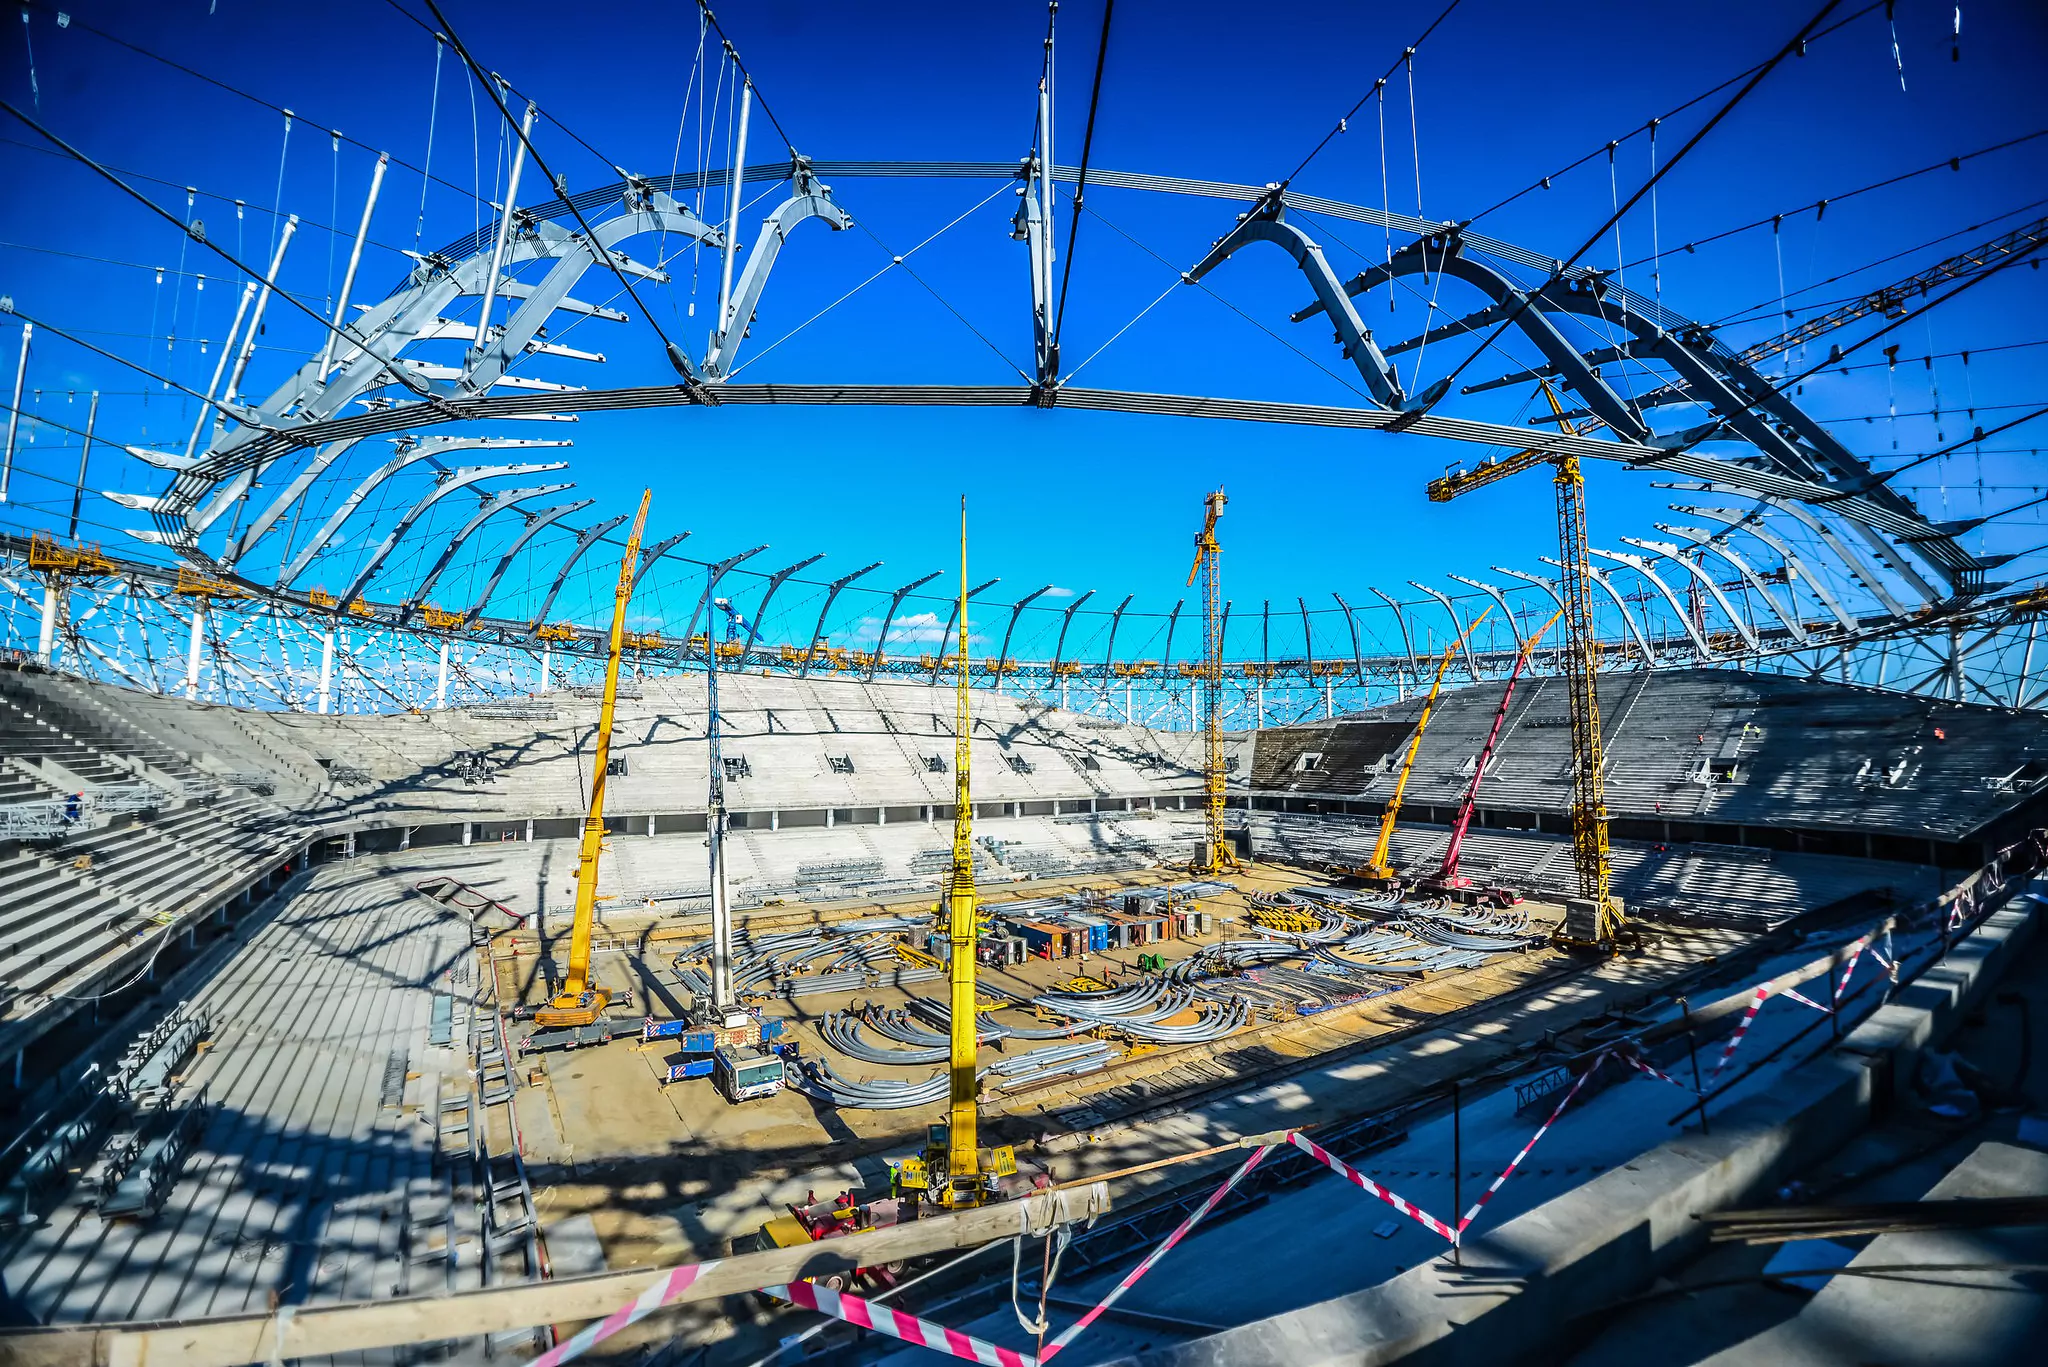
[483, 317]
[1328, 701]
[546, 657]
[828, 818]
[468, 831]
[46, 639]
[192, 652]
[1128, 686]
[775, 820]
[735, 186]
[441, 680]
[650, 823]
[881, 816]
[1063, 695]
[327, 671]
[529, 829]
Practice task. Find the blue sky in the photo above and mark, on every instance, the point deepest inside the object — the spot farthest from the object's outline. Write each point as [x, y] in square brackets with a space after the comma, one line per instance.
[1503, 94]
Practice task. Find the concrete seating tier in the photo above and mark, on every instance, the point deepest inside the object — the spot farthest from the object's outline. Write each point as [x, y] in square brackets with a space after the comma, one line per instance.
[1694, 745]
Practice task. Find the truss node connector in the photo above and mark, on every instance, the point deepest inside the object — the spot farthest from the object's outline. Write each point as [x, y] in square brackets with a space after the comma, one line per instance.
[196, 584]
[555, 631]
[51, 556]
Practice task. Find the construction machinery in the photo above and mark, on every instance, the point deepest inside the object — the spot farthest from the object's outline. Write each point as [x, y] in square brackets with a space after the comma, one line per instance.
[1216, 855]
[1447, 879]
[954, 1170]
[581, 1002]
[1380, 870]
[723, 1009]
[1594, 917]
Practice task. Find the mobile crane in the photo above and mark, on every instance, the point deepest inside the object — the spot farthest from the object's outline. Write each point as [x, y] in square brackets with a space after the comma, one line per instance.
[1447, 879]
[1215, 856]
[581, 1002]
[1380, 870]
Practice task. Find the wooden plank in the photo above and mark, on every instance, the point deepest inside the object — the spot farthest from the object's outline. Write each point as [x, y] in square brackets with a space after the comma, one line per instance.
[319, 1330]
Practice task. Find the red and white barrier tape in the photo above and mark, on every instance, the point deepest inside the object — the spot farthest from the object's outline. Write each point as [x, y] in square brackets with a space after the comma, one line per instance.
[1509, 1171]
[1643, 1067]
[1131, 1277]
[897, 1325]
[1855, 953]
[673, 1284]
[1370, 1187]
[1804, 1000]
[1741, 1028]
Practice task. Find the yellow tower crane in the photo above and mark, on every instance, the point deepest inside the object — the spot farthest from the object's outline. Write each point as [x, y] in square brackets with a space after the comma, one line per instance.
[1382, 850]
[581, 1001]
[1216, 856]
[1597, 917]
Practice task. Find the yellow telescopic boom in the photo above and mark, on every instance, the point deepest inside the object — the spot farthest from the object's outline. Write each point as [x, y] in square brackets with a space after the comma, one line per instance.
[963, 1175]
[580, 1001]
[1379, 868]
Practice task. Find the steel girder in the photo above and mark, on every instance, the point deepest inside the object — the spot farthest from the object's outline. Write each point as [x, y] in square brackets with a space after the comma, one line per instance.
[459, 479]
[881, 637]
[496, 503]
[832, 592]
[536, 524]
[585, 539]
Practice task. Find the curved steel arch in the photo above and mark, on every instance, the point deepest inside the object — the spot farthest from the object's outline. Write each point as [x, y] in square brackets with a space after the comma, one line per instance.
[541, 520]
[1705, 581]
[1642, 567]
[832, 592]
[585, 539]
[496, 503]
[458, 480]
[1863, 503]
[1706, 542]
[1734, 522]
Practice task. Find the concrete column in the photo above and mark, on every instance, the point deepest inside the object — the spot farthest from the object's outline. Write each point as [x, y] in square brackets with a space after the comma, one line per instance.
[829, 815]
[650, 826]
[546, 657]
[327, 671]
[46, 639]
[1063, 694]
[1327, 700]
[192, 652]
[348, 850]
[775, 820]
[405, 835]
[468, 830]
[441, 680]
[529, 828]
[881, 816]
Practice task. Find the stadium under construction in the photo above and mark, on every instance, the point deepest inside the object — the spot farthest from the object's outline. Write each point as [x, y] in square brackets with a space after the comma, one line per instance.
[450, 914]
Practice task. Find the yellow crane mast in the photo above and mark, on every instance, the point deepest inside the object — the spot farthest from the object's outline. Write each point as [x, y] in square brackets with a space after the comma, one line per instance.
[1382, 850]
[1215, 856]
[581, 1001]
[963, 1184]
[1598, 917]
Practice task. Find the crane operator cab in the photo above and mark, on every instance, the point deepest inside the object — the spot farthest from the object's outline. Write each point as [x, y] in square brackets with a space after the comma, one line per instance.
[745, 1074]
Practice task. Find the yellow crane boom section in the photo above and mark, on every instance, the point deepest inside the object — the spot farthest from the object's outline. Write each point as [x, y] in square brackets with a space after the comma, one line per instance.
[962, 1137]
[580, 1002]
[1382, 848]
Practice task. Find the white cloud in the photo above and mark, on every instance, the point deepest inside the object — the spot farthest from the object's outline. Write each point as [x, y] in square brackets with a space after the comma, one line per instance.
[1057, 592]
